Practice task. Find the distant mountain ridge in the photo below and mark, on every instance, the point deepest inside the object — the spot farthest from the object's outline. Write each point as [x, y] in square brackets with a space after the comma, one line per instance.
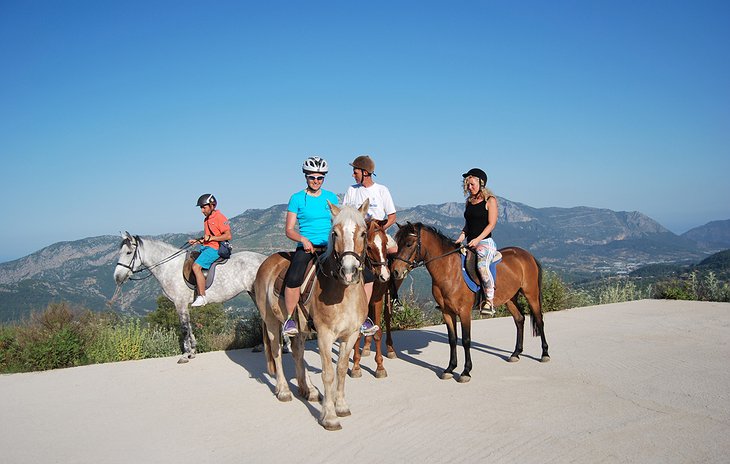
[580, 240]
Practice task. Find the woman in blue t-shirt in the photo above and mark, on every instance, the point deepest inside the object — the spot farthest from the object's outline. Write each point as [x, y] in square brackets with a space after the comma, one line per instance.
[309, 209]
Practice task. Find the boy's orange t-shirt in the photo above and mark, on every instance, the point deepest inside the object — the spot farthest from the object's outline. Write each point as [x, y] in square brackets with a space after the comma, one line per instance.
[215, 224]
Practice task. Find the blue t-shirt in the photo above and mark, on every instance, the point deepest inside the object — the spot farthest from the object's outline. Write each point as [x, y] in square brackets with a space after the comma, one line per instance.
[313, 215]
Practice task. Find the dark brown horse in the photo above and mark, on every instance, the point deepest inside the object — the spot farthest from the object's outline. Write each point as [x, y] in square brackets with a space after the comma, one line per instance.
[518, 272]
[377, 257]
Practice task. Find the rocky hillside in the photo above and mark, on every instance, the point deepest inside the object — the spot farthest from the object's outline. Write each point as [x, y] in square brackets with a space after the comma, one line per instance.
[573, 241]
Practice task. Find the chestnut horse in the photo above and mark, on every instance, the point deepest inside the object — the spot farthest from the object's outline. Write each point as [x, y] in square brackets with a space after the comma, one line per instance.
[377, 257]
[517, 272]
[337, 308]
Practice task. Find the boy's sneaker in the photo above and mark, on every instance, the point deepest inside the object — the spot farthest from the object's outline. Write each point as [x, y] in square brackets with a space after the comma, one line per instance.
[200, 301]
[368, 328]
[290, 328]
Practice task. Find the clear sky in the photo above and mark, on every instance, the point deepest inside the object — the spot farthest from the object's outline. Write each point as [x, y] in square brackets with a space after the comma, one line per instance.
[117, 115]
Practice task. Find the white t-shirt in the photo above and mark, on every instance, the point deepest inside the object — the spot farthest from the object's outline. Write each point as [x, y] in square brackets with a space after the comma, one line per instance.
[381, 203]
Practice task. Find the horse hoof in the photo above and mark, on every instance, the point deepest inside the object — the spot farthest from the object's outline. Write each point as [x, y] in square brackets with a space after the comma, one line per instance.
[183, 360]
[343, 413]
[365, 353]
[284, 396]
[464, 378]
[191, 355]
[447, 376]
[331, 426]
[381, 374]
[392, 355]
[355, 373]
[513, 359]
[314, 396]
[545, 359]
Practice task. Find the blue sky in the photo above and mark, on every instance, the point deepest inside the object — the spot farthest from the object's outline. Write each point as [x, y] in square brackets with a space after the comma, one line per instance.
[117, 115]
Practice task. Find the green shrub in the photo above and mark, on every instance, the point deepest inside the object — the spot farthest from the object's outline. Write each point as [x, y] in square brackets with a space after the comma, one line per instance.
[673, 289]
[621, 290]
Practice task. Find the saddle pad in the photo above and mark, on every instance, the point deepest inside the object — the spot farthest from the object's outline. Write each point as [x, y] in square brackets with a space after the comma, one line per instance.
[470, 272]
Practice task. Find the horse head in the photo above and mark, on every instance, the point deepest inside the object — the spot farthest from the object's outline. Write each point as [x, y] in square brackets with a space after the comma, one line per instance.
[377, 250]
[129, 258]
[409, 256]
[347, 241]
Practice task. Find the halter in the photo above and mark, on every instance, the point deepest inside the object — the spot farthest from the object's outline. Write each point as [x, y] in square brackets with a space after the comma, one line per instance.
[135, 255]
[337, 257]
[417, 255]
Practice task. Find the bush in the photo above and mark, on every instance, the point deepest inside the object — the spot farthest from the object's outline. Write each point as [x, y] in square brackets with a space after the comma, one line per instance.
[673, 289]
[622, 290]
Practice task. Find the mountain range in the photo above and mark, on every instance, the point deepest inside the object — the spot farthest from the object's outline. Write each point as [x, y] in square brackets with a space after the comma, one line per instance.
[575, 242]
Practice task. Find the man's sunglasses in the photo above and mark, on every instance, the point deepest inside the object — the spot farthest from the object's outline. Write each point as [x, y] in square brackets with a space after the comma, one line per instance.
[315, 177]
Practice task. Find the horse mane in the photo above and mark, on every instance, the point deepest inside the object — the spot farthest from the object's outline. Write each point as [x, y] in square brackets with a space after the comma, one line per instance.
[411, 228]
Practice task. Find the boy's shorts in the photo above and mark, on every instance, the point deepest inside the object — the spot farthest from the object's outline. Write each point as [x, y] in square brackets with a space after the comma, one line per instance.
[207, 256]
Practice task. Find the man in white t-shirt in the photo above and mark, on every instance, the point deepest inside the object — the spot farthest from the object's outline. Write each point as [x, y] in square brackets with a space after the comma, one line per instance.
[381, 204]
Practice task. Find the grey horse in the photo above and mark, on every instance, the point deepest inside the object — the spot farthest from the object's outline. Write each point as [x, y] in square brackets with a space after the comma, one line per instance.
[165, 262]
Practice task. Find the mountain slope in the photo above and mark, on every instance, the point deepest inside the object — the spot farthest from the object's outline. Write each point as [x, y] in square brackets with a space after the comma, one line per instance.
[574, 241]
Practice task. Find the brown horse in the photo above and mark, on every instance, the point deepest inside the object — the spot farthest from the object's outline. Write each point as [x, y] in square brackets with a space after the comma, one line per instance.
[518, 272]
[377, 257]
[336, 308]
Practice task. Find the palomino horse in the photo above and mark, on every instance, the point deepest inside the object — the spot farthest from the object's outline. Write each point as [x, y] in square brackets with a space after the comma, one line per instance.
[518, 272]
[165, 262]
[377, 257]
[337, 308]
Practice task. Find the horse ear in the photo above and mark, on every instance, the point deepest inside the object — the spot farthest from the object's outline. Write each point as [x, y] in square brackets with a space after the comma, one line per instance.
[382, 222]
[334, 209]
[364, 207]
[399, 226]
[126, 236]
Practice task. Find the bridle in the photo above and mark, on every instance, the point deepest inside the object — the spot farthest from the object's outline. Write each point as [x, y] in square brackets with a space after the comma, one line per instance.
[337, 258]
[416, 258]
[372, 261]
[131, 266]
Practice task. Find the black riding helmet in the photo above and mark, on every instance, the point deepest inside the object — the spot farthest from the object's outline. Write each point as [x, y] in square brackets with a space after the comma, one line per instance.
[205, 199]
[478, 173]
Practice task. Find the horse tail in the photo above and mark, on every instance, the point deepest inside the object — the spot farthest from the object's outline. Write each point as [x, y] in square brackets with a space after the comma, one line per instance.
[533, 320]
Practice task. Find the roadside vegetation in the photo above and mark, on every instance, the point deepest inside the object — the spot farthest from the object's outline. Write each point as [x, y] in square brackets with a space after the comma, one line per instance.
[66, 336]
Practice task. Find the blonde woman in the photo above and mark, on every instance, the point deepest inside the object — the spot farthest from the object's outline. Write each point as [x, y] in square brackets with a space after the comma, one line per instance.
[480, 216]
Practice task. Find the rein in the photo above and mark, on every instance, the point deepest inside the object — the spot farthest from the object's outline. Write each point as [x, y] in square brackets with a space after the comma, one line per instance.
[143, 268]
[418, 260]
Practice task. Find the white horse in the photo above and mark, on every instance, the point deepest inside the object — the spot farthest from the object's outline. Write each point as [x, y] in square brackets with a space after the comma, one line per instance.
[165, 262]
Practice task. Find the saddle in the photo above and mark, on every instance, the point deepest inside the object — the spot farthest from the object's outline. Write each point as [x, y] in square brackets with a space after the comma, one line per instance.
[189, 276]
[471, 273]
[310, 276]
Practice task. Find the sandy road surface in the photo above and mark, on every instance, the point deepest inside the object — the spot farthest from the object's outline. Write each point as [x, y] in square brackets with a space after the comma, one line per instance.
[645, 381]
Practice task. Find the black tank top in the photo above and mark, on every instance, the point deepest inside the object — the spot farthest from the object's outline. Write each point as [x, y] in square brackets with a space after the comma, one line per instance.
[477, 220]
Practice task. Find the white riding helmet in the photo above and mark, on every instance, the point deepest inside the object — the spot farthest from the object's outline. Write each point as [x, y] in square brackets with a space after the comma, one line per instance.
[315, 164]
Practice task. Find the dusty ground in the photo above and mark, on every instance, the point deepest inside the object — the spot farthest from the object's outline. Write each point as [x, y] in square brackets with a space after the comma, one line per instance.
[645, 381]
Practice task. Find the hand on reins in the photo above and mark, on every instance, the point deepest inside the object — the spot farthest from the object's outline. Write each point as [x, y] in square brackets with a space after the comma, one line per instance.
[307, 245]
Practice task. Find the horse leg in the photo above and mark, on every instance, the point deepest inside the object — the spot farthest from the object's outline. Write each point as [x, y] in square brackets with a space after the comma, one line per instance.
[306, 389]
[519, 324]
[356, 372]
[366, 345]
[188, 339]
[380, 372]
[538, 324]
[341, 407]
[328, 418]
[388, 337]
[273, 332]
[450, 320]
[466, 343]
